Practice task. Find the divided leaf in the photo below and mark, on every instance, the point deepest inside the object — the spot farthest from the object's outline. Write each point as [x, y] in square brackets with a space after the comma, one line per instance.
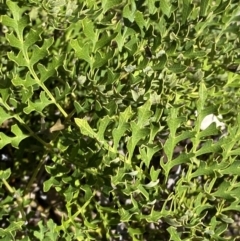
[14, 141]
[38, 105]
[85, 128]
[123, 125]
[137, 134]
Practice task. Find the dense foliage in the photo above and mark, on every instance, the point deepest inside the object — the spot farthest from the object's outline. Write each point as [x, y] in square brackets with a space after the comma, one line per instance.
[103, 108]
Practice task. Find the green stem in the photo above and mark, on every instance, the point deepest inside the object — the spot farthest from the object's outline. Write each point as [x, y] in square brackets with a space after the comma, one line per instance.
[25, 54]
[47, 91]
[54, 100]
[18, 198]
[36, 171]
[48, 145]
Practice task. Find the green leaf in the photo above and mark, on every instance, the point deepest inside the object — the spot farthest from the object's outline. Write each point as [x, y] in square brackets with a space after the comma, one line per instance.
[182, 158]
[39, 105]
[135, 231]
[162, 60]
[184, 136]
[18, 59]
[89, 30]
[208, 147]
[40, 234]
[169, 148]
[204, 7]
[151, 6]
[108, 4]
[186, 10]
[40, 52]
[32, 37]
[222, 7]
[154, 216]
[19, 22]
[101, 59]
[78, 107]
[66, 91]
[19, 136]
[52, 234]
[221, 229]
[122, 36]
[104, 40]
[88, 192]
[172, 221]
[51, 182]
[154, 130]
[173, 234]
[129, 12]
[141, 22]
[16, 11]
[211, 130]
[48, 72]
[137, 135]
[118, 178]
[14, 42]
[14, 226]
[173, 121]
[177, 68]
[207, 169]
[123, 125]
[224, 191]
[142, 190]
[5, 174]
[125, 216]
[233, 169]
[14, 141]
[165, 6]
[103, 123]
[90, 225]
[81, 52]
[152, 184]
[4, 116]
[144, 114]
[154, 174]
[85, 128]
[146, 156]
[192, 53]
[8, 21]
[27, 82]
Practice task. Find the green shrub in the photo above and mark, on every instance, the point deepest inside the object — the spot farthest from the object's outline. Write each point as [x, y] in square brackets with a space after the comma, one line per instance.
[109, 127]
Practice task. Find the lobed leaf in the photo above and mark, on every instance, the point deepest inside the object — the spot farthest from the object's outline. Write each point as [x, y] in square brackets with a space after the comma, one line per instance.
[39, 53]
[81, 52]
[14, 141]
[85, 128]
[137, 135]
[123, 125]
[38, 105]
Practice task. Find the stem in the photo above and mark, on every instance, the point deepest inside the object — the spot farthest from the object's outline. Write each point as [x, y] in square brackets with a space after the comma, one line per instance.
[36, 171]
[25, 54]
[18, 198]
[47, 91]
[48, 145]
[54, 100]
